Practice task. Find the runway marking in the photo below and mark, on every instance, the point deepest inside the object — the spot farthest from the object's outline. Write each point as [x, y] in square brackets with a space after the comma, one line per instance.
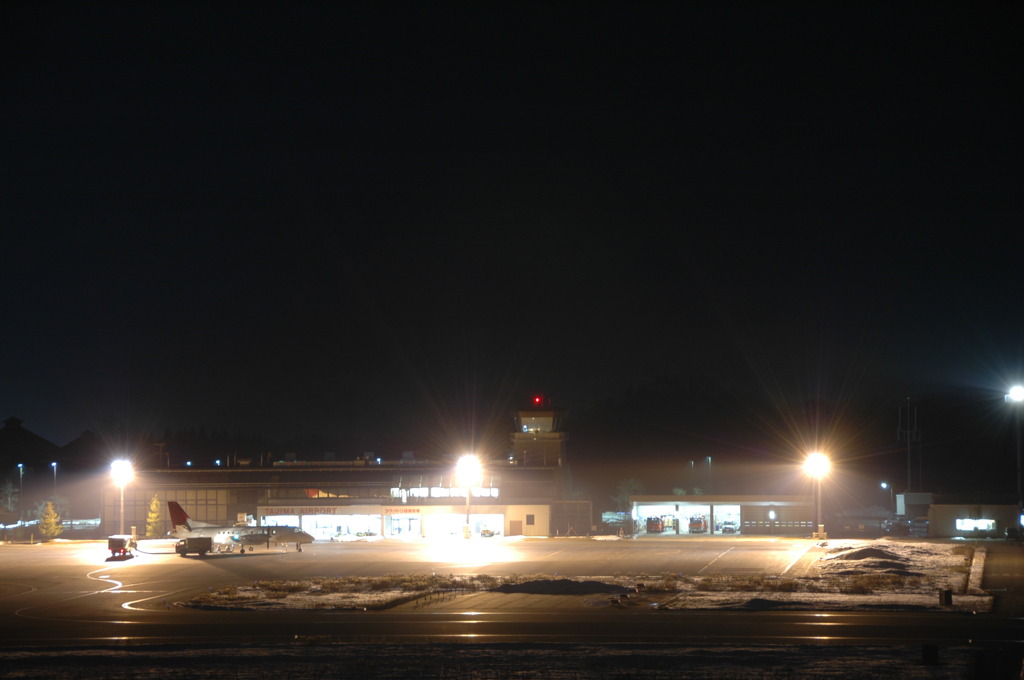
[715, 560]
[112, 586]
[795, 560]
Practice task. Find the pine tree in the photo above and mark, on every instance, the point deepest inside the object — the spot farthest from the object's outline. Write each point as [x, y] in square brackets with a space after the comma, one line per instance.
[9, 496]
[49, 522]
[155, 518]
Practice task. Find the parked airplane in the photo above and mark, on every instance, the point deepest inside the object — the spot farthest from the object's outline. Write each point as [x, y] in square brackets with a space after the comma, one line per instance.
[226, 538]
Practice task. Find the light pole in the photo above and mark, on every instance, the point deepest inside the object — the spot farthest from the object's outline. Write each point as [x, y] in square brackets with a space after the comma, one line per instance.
[817, 465]
[54, 466]
[21, 487]
[892, 507]
[121, 472]
[1016, 397]
[468, 473]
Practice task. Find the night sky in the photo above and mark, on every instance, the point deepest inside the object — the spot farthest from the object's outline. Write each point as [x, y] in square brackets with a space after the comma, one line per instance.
[389, 224]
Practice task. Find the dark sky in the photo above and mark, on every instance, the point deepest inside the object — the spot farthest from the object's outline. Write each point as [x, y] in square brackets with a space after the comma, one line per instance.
[392, 222]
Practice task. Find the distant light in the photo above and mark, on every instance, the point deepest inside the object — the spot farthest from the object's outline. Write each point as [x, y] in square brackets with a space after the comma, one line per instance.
[217, 462]
[817, 465]
[21, 465]
[1016, 394]
[378, 460]
[771, 515]
[53, 464]
[188, 463]
[885, 485]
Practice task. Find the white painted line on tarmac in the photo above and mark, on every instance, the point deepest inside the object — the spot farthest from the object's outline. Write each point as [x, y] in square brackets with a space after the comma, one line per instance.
[715, 560]
[795, 560]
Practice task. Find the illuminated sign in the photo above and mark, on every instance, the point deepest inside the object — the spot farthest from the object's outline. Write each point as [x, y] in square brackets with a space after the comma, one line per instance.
[975, 525]
[401, 511]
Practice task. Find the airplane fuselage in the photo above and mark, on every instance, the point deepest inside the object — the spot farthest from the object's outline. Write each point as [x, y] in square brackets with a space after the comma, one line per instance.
[226, 538]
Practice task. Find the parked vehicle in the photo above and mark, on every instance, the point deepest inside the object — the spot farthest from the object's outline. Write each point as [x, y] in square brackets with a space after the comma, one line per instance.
[120, 546]
[698, 524]
[730, 526]
[194, 544]
[897, 526]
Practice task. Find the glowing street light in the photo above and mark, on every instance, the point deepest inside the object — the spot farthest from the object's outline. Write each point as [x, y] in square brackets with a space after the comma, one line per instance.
[887, 485]
[121, 472]
[54, 466]
[21, 484]
[469, 473]
[817, 465]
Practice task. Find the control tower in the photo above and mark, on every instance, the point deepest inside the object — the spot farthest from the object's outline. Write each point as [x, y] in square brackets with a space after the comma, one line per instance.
[538, 440]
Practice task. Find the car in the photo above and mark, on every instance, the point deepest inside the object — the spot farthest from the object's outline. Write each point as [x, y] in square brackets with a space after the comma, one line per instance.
[897, 526]
[730, 526]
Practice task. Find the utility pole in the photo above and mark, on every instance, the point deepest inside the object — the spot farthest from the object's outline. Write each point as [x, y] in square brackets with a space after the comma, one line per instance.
[907, 431]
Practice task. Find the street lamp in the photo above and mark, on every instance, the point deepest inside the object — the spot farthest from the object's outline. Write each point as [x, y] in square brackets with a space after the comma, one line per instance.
[468, 473]
[892, 508]
[54, 466]
[21, 486]
[121, 472]
[1016, 397]
[817, 465]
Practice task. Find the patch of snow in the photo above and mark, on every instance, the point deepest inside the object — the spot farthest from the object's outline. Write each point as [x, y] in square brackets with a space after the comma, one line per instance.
[849, 575]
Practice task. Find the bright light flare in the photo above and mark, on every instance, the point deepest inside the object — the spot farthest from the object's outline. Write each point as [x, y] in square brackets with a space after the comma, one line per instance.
[817, 465]
[1016, 394]
[469, 471]
[122, 472]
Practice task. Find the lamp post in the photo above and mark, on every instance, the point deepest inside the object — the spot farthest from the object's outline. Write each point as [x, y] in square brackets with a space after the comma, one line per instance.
[817, 465]
[892, 508]
[468, 473]
[21, 486]
[1016, 397]
[54, 466]
[121, 472]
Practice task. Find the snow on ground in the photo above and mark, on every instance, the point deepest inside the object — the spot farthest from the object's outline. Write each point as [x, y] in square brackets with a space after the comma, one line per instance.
[848, 575]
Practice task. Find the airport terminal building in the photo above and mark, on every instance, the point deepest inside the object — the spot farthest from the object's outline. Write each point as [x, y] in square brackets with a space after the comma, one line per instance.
[523, 494]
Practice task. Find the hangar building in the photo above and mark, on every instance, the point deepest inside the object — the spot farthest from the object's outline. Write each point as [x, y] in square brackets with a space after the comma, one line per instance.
[784, 515]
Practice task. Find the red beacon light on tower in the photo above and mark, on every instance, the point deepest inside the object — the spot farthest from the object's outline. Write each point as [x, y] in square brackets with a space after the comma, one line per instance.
[538, 401]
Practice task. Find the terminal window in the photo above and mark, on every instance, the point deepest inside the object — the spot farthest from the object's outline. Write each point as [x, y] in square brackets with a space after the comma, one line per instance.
[975, 525]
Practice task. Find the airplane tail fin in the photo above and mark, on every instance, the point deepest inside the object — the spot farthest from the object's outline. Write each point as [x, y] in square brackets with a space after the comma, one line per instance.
[179, 518]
